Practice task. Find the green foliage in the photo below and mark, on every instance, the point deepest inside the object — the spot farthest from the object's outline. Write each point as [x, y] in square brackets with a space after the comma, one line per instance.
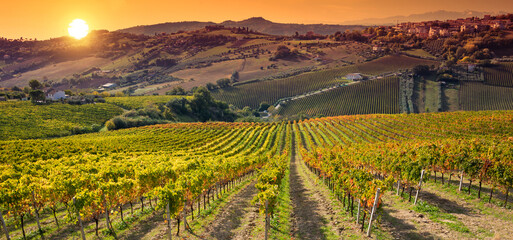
[23, 120]
[421, 70]
[178, 90]
[136, 102]
[223, 83]
[373, 96]
[37, 96]
[35, 84]
[476, 96]
[252, 94]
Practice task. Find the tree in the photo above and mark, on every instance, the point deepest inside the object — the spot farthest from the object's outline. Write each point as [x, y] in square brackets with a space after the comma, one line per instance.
[210, 86]
[35, 84]
[37, 96]
[421, 70]
[282, 52]
[263, 106]
[178, 90]
[235, 77]
[224, 82]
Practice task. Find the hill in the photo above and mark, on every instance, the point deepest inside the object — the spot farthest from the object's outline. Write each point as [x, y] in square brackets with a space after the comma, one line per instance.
[24, 120]
[256, 24]
[440, 15]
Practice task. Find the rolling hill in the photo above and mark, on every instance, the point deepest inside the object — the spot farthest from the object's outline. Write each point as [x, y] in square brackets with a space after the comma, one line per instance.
[258, 24]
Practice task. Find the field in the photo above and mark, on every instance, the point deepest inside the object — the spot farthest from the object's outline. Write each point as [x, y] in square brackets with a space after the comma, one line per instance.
[252, 94]
[478, 96]
[59, 70]
[136, 102]
[316, 175]
[374, 96]
[23, 120]
[420, 53]
[501, 75]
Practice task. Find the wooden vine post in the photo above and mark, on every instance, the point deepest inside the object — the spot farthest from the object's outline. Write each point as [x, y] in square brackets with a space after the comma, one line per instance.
[79, 220]
[37, 215]
[107, 213]
[266, 219]
[461, 181]
[169, 222]
[358, 213]
[420, 186]
[373, 212]
[4, 226]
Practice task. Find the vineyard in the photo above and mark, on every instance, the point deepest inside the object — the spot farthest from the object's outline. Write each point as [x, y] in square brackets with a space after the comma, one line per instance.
[178, 167]
[477, 96]
[373, 96]
[252, 94]
[501, 75]
[23, 120]
[136, 102]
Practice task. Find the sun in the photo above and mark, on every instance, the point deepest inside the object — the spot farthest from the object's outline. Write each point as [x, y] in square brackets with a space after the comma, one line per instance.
[78, 29]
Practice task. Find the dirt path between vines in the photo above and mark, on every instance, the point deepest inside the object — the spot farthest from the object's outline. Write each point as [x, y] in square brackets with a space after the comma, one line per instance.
[485, 221]
[239, 212]
[404, 223]
[311, 211]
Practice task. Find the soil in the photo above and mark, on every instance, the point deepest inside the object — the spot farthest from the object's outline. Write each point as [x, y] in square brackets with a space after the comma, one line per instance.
[238, 212]
[310, 209]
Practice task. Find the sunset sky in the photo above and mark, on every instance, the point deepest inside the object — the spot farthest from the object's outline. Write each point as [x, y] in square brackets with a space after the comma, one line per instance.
[50, 18]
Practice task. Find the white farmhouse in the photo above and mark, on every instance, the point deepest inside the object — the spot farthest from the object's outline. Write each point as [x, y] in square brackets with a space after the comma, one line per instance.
[57, 96]
[354, 76]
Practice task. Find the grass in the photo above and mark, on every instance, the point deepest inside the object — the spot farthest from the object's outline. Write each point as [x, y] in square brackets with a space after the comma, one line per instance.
[472, 198]
[419, 53]
[280, 224]
[342, 215]
[432, 96]
[374, 96]
[24, 120]
[436, 215]
[136, 102]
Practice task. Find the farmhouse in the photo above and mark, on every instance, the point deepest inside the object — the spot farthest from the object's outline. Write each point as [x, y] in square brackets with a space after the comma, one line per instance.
[57, 95]
[109, 85]
[354, 76]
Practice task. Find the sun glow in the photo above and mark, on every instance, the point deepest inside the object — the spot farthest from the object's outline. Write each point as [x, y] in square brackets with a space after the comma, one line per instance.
[78, 29]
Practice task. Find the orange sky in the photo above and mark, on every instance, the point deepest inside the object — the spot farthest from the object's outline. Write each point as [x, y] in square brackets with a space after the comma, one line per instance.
[44, 19]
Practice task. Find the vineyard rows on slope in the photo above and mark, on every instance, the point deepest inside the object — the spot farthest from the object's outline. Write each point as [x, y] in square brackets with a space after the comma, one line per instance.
[253, 94]
[478, 96]
[176, 165]
[373, 96]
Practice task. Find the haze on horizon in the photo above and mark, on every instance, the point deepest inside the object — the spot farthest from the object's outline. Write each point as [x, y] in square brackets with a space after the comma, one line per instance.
[48, 19]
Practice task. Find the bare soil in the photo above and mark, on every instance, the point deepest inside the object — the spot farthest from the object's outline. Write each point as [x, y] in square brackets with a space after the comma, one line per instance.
[238, 212]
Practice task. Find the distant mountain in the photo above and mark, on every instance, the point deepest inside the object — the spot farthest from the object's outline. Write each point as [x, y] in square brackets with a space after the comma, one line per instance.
[257, 24]
[437, 15]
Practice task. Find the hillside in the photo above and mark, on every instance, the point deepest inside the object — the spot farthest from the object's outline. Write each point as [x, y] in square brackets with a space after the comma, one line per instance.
[23, 120]
[209, 173]
[256, 24]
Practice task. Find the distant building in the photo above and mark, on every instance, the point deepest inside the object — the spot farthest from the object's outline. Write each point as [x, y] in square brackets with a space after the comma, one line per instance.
[3, 99]
[109, 85]
[57, 96]
[471, 67]
[354, 76]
